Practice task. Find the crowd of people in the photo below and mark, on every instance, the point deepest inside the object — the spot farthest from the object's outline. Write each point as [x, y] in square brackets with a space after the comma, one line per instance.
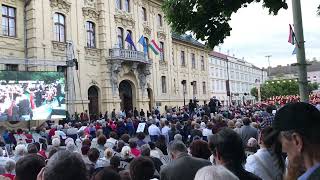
[279, 101]
[196, 143]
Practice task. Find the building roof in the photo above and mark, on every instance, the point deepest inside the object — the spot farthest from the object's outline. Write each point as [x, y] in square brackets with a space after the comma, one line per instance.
[187, 38]
[218, 55]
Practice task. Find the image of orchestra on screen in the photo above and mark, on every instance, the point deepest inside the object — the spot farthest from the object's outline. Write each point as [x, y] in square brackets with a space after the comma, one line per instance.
[28, 95]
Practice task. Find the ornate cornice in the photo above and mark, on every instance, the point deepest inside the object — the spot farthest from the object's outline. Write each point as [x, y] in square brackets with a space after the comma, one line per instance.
[11, 2]
[92, 52]
[90, 13]
[124, 19]
[62, 5]
[58, 48]
[90, 3]
[161, 34]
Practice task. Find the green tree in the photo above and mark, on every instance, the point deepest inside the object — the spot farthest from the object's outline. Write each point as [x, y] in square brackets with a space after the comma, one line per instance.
[209, 19]
[280, 88]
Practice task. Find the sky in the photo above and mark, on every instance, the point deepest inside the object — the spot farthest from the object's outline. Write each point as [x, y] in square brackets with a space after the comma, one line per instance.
[256, 34]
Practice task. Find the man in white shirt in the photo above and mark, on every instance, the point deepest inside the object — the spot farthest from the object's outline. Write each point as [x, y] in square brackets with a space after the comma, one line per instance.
[165, 131]
[154, 132]
[3, 159]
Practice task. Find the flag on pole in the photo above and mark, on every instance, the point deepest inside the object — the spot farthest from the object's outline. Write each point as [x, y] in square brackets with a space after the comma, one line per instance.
[154, 47]
[129, 40]
[143, 42]
[291, 35]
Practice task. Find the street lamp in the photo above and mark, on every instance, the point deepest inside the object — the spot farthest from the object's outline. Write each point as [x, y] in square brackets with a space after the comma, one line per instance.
[184, 82]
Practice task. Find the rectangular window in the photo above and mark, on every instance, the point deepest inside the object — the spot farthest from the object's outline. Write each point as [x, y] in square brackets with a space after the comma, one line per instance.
[11, 67]
[162, 52]
[193, 61]
[8, 21]
[163, 84]
[118, 4]
[144, 14]
[90, 26]
[127, 5]
[172, 56]
[183, 61]
[217, 72]
[204, 88]
[202, 63]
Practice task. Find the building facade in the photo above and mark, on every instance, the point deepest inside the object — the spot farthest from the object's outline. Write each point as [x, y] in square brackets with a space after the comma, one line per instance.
[241, 75]
[111, 73]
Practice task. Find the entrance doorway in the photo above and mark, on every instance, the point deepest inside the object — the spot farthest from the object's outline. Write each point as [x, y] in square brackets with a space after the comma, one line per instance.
[125, 93]
[93, 96]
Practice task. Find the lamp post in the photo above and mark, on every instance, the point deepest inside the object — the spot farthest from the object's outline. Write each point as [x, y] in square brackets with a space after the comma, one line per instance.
[259, 90]
[301, 57]
[184, 82]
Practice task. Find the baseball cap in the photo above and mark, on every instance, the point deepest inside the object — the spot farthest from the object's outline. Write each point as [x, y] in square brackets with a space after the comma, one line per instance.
[300, 116]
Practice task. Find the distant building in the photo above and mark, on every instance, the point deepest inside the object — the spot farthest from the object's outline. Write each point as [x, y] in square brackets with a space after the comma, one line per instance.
[291, 72]
[242, 76]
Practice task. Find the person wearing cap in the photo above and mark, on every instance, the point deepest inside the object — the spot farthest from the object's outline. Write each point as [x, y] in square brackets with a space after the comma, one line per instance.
[298, 126]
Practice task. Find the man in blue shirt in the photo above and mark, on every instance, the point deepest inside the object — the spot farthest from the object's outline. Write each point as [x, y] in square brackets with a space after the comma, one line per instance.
[298, 125]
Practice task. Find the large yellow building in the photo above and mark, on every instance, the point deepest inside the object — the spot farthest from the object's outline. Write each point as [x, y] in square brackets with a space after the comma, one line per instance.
[111, 74]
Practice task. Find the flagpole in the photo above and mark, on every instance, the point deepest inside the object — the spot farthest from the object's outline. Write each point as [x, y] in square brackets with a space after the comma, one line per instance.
[301, 57]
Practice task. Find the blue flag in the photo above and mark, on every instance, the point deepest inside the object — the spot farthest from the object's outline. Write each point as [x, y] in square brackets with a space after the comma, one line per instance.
[143, 42]
[294, 51]
[129, 40]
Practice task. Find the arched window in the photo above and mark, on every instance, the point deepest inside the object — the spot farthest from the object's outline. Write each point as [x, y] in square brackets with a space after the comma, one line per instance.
[144, 14]
[59, 27]
[162, 52]
[127, 5]
[91, 40]
[120, 37]
[159, 20]
[129, 46]
[147, 41]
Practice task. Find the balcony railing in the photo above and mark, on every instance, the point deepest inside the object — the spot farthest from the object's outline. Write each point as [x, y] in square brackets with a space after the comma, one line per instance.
[128, 55]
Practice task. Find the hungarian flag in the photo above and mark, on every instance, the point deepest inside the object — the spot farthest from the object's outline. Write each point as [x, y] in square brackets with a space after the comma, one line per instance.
[154, 47]
[291, 35]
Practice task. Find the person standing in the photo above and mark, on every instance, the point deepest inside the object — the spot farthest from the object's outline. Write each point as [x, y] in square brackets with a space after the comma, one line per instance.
[113, 114]
[135, 112]
[183, 166]
[298, 127]
[142, 114]
[247, 132]
[154, 131]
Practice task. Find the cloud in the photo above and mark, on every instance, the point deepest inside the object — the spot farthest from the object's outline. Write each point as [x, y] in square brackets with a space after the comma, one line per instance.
[256, 34]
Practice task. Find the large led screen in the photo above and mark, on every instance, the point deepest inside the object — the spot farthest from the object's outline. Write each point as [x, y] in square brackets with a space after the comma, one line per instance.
[26, 95]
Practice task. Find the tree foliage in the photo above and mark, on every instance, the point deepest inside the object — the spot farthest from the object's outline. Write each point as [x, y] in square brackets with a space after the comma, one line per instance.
[209, 19]
[319, 10]
[282, 88]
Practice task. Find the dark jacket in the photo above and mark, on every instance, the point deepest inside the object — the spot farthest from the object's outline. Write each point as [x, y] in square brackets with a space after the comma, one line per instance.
[184, 167]
[242, 174]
